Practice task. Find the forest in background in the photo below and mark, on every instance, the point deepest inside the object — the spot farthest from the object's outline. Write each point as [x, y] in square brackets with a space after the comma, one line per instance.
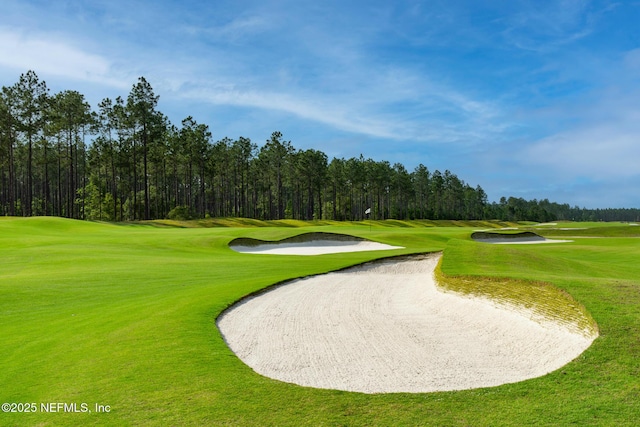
[125, 161]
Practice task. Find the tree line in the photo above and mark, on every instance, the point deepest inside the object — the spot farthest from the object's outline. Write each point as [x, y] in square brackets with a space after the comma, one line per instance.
[125, 161]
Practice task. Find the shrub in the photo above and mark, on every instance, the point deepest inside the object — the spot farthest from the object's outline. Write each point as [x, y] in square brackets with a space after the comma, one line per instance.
[180, 213]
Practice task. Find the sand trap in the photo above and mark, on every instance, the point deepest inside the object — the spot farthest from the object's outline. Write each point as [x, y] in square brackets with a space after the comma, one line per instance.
[309, 244]
[522, 241]
[385, 327]
[523, 238]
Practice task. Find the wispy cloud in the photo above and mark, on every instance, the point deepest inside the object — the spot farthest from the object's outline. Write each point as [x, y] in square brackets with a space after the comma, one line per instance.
[591, 151]
[544, 26]
[388, 106]
[240, 28]
[602, 151]
[52, 55]
[323, 70]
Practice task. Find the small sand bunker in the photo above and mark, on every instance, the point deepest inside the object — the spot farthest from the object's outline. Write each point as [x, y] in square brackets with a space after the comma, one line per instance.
[523, 238]
[385, 327]
[309, 244]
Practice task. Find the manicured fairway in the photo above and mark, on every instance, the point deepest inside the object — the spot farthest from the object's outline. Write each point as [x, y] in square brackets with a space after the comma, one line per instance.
[123, 316]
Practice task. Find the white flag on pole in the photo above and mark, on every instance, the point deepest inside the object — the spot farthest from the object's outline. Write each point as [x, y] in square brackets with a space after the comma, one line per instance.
[368, 211]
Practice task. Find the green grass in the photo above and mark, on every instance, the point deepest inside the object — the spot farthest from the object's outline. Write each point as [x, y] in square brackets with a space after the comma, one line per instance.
[124, 315]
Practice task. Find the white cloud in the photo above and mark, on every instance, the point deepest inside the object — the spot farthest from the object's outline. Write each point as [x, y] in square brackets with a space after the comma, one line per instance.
[381, 110]
[544, 27]
[243, 26]
[632, 61]
[601, 152]
[320, 110]
[236, 30]
[599, 134]
[48, 54]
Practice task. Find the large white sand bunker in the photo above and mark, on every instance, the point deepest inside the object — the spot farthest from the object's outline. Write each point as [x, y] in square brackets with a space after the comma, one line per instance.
[309, 244]
[385, 327]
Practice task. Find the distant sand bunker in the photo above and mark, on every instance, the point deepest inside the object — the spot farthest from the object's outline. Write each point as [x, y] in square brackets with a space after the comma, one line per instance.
[522, 238]
[309, 244]
[385, 327]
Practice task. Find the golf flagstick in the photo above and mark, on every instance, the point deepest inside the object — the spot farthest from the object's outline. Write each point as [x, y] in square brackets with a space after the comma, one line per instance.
[368, 213]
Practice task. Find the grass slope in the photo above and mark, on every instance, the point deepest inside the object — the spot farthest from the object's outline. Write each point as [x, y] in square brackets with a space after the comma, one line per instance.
[124, 315]
[542, 300]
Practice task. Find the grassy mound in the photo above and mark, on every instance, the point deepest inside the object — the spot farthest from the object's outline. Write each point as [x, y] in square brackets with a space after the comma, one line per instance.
[300, 238]
[539, 300]
[506, 236]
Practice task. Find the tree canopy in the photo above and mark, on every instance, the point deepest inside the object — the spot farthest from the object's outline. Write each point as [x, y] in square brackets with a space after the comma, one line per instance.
[126, 161]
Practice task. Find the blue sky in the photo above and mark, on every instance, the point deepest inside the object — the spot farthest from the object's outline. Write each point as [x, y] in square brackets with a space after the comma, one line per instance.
[532, 99]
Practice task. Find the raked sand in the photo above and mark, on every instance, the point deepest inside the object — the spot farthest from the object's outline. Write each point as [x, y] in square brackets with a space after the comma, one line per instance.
[522, 241]
[315, 247]
[385, 327]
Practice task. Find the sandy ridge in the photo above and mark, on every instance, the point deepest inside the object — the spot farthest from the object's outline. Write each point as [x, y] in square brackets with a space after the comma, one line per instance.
[385, 327]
